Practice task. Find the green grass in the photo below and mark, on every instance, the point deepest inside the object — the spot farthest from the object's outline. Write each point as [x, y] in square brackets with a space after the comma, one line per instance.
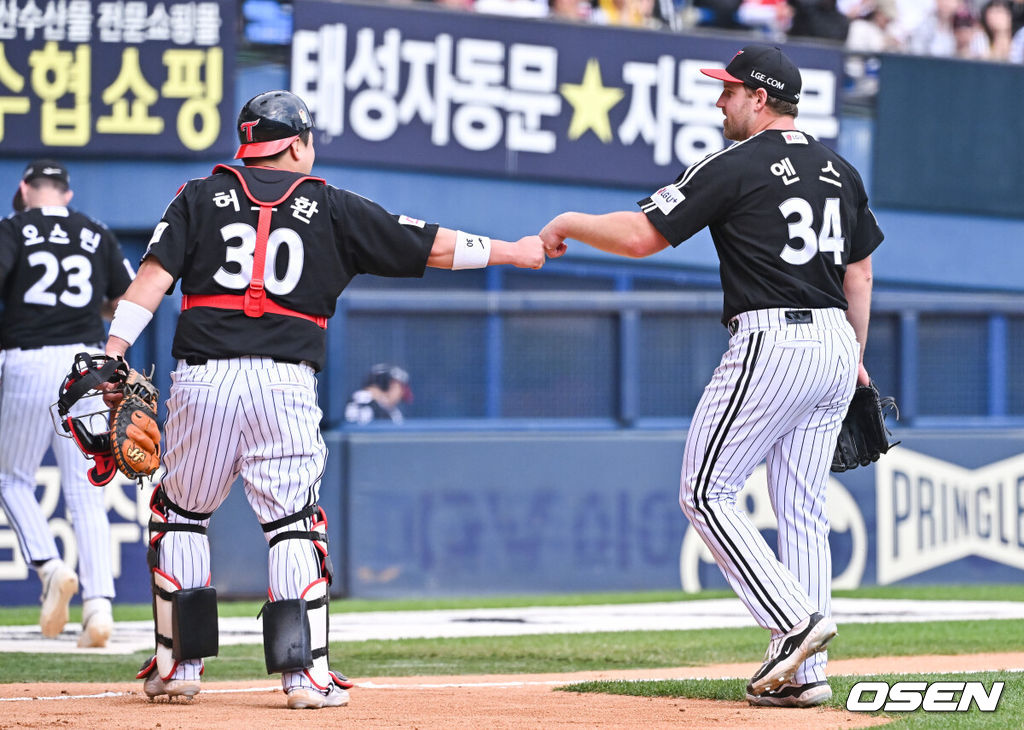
[952, 592]
[545, 653]
[1008, 714]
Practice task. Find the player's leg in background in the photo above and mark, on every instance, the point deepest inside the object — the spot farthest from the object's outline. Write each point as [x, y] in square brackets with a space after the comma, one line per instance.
[734, 425]
[25, 433]
[798, 471]
[87, 510]
[201, 440]
[282, 471]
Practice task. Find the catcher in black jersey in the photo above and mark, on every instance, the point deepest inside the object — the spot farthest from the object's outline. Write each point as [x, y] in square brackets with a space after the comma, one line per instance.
[60, 270]
[262, 252]
[790, 221]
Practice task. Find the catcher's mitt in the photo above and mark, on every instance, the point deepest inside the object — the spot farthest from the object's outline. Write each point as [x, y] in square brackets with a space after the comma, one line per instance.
[134, 433]
[864, 436]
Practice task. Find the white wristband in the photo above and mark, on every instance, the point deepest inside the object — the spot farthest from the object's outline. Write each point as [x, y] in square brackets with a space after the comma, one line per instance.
[129, 321]
[471, 252]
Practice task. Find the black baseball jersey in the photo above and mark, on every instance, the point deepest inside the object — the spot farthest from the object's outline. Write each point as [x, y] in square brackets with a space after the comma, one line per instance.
[320, 237]
[57, 265]
[786, 213]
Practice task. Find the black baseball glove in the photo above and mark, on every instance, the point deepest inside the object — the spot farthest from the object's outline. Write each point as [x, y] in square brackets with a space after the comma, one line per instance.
[864, 436]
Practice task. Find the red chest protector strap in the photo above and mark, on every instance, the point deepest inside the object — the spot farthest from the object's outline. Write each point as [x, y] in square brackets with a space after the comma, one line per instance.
[254, 302]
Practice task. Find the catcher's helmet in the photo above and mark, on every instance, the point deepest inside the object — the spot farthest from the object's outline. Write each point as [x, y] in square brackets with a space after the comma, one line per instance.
[269, 122]
[90, 429]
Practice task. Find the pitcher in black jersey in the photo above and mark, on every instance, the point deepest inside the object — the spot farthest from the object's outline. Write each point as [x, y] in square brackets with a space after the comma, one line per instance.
[59, 271]
[794, 235]
[261, 253]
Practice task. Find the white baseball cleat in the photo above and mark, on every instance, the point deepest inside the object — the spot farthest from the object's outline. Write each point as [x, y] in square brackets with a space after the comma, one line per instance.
[154, 686]
[788, 651]
[306, 698]
[59, 584]
[97, 623]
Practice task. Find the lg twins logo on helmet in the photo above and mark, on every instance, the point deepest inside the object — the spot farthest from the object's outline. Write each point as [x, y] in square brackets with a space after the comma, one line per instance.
[247, 128]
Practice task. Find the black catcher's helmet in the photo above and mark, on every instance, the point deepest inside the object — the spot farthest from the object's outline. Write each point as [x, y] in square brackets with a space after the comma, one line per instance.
[269, 122]
[89, 428]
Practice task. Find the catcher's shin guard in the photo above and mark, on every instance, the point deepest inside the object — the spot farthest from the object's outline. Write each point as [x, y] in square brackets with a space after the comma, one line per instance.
[295, 631]
[185, 620]
[295, 634]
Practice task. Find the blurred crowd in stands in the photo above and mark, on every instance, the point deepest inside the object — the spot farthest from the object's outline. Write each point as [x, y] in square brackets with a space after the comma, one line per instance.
[971, 29]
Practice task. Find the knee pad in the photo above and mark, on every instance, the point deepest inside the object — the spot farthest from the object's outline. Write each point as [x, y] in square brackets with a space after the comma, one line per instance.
[185, 620]
[317, 534]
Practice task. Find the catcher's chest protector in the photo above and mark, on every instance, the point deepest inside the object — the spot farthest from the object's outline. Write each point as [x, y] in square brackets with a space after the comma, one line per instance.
[254, 302]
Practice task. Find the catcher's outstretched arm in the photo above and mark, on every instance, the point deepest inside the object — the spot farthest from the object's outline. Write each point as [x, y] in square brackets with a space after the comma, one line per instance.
[455, 250]
[144, 294]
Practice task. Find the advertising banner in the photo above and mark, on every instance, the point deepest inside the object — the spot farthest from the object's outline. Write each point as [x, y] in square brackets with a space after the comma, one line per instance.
[446, 514]
[116, 78]
[562, 513]
[505, 96]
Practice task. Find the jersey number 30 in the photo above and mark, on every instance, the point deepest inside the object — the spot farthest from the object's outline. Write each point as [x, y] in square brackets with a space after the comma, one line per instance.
[829, 240]
[242, 254]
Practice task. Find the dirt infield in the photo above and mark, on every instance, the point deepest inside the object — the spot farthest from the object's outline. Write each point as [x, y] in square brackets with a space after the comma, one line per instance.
[507, 702]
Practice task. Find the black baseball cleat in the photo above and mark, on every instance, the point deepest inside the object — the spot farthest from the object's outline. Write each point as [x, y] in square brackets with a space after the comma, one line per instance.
[811, 694]
[787, 652]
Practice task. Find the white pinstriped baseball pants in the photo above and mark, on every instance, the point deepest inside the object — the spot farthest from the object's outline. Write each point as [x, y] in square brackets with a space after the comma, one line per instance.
[248, 416]
[779, 395]
[31, 380]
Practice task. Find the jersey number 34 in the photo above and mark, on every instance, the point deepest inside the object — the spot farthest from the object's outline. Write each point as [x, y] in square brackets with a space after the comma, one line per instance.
[828, 240]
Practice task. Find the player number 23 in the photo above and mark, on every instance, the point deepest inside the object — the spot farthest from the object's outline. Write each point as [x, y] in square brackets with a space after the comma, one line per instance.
[237, 270]
[78, 289]
[828, 240]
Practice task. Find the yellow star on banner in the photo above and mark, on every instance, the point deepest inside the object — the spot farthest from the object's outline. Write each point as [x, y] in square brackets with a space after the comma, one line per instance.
[591, 101]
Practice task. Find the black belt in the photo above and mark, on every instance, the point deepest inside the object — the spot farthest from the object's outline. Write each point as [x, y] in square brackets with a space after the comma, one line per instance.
[793, 316]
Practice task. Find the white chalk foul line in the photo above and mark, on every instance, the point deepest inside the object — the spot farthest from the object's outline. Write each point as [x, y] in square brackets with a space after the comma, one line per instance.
[463, 685]
[453, 685]
[103, 695]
